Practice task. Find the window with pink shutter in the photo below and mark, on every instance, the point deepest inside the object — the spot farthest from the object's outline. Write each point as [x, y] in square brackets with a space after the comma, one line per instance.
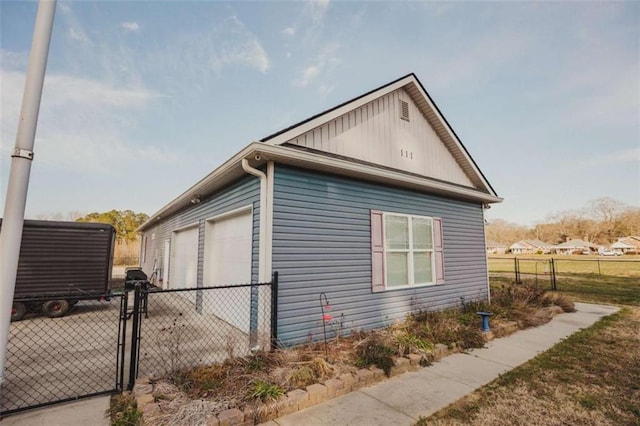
[406, 251]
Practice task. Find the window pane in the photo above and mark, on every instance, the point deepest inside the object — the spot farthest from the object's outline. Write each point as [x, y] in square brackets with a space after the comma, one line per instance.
[422, 234]
[422, 272]
[396, 230]
[397, 269]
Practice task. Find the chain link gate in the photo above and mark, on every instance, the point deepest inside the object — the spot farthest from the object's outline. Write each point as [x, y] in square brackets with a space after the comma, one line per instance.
[538, 270]
[53, 360]
[97, 346]
[176, 329]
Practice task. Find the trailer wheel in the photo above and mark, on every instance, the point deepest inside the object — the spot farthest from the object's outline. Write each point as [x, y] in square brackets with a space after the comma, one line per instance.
[55, 308]
[18, 310]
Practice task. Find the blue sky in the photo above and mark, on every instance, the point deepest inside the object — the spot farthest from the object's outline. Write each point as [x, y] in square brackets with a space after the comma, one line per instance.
[142, 99]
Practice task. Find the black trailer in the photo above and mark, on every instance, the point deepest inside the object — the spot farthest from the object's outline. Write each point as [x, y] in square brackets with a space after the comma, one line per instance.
[61, 263]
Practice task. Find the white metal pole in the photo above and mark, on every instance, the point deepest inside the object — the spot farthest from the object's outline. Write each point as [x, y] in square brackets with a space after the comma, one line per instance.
[12, 222]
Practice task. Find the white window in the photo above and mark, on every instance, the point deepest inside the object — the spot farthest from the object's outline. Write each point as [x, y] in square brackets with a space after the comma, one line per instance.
[406, 251]
[408, 243]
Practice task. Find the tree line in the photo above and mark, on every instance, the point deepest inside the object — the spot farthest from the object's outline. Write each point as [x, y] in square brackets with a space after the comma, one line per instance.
[124, 221]
[601, 221]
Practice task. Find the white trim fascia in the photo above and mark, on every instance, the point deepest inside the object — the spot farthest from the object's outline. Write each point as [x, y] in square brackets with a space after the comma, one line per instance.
[368, 172]
[324, 118]
[409, 80]
[296, 157]
[196, 189]
[453, 136]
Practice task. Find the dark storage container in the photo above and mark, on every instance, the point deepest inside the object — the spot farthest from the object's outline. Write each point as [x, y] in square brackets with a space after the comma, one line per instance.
[68, 260]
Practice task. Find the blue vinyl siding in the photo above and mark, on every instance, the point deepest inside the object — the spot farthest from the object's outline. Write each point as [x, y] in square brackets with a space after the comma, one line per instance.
[322, 243]
[245, 191]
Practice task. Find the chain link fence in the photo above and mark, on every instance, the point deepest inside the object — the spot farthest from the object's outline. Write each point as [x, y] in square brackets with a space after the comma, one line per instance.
[185, 328]
[59, 359]
[613, 280]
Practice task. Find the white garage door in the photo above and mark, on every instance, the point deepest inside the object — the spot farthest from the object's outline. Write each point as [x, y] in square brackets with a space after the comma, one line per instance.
[228, 261]
[184, 259]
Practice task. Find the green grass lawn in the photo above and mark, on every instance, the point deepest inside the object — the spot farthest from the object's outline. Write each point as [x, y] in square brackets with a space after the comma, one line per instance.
[625, 266]
[592, 377]
[587, 287]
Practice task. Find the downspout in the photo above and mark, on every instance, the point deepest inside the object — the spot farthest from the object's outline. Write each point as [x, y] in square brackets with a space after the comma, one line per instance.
[262, 246]
[486, 255]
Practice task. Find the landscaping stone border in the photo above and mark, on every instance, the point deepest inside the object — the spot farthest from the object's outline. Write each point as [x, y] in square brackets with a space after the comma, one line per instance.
[317, 393]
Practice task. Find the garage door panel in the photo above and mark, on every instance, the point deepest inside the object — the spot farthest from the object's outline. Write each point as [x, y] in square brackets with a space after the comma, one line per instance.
[228, 253]
[183, 271]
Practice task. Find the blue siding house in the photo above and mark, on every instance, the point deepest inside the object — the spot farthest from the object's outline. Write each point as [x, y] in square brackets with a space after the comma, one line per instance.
[375, 202]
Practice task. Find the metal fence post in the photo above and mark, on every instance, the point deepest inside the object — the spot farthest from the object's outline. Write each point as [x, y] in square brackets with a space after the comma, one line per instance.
[517, 269]
[274, 311]
[554, 285]
[124, 306]
[135, 336]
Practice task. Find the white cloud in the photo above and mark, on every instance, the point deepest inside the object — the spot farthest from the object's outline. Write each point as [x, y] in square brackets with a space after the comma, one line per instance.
[249, 53]
[12, 60]
[83, 124]
[289, 31]
[318, 9]
[631, 155]
[130, 26]
[326, 60]
[307, 76]
[77, 34]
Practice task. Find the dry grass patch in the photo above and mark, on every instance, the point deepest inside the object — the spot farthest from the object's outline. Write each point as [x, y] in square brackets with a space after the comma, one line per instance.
[591, 378]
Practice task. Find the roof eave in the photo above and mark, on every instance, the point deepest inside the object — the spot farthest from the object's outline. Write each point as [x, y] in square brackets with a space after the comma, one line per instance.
[232, 170]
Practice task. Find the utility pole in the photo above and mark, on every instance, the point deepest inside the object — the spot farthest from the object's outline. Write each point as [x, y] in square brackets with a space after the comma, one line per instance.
[21, 158]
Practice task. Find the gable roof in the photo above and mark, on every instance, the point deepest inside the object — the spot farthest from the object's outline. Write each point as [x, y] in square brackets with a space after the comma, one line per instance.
[576, 243]
[631, 241]
[533, 243]
[272, 148]
[495, 244]
[425, 104]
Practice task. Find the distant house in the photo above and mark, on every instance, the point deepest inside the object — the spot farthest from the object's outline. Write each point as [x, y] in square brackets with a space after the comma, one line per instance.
[494, 247]
[530, 247]
[627, 245]
[375, 202]
[575, 245]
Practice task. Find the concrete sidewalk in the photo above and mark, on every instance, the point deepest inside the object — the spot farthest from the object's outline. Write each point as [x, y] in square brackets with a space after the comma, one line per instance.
[85, 412]
[398, 401]
[403, 399]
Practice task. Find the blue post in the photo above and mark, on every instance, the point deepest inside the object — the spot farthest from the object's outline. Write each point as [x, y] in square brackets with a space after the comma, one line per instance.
[485, 320]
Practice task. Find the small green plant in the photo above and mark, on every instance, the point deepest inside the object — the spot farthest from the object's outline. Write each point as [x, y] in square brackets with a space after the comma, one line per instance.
[374, 352]
[256, 363]
[410, 343]
[123, 411]
[265, 391]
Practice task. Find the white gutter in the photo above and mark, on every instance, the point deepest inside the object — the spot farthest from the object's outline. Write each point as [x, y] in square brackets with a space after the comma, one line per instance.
[231, 170]
[262, 246]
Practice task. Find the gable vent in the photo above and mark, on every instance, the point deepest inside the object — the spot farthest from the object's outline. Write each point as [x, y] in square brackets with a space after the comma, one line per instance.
[404, 110]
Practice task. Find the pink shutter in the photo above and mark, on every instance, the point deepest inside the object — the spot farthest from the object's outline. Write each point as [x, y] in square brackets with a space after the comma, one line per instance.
[438, 249]
[377, 252]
